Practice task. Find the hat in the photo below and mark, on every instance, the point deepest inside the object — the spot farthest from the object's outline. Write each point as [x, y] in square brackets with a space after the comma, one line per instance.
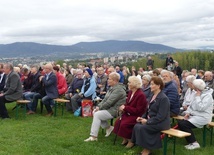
[89, 71]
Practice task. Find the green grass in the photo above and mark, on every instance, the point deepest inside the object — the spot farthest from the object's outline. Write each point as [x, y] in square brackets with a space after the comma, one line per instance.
[40, 135]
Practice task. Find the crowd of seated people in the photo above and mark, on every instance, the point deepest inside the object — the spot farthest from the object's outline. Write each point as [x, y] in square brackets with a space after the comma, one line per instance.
[51, 81]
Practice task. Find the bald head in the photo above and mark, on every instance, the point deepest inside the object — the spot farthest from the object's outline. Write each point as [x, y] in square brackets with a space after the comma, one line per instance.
[208, 76]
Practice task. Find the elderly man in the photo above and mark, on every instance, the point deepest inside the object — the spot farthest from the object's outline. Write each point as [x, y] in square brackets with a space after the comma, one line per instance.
[194, 72]
[108, 108]
[50, 84]
[208, 78]
[101, 81]
[117, 68]
[171, 92]
[74, 88]
[12, 90]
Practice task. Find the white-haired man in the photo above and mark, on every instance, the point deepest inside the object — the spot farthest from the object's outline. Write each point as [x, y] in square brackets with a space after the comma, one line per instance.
[208, 78]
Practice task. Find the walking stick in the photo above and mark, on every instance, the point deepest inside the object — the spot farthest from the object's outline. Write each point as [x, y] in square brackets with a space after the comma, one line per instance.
[115, 138]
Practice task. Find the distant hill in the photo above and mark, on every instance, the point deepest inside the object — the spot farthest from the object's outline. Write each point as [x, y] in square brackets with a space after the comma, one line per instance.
[26, 49]
[119, 46]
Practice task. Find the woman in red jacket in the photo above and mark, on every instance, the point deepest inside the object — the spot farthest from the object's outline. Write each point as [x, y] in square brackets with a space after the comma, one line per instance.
[135, 106]
[61, 81]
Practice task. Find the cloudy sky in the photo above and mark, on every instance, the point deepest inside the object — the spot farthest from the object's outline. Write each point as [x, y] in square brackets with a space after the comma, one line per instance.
[176, 23]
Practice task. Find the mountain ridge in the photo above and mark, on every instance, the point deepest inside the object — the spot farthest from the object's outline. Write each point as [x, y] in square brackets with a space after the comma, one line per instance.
[18, 49]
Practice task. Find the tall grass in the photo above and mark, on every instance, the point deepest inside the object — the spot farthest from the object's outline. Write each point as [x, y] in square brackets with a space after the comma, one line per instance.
[40, 135]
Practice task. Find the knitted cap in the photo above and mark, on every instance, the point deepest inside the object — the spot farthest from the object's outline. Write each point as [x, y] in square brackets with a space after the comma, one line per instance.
[89, 71]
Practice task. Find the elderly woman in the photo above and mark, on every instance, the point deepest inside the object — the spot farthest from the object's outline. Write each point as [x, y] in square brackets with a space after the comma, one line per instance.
[198, 114]
[190, 93]
[146, 132]
[135, 106]
[146, 86]
[108, 107]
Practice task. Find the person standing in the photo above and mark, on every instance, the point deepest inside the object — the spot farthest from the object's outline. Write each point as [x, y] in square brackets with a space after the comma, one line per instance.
[169, 62]
[150, 63]
[178, 71]
[12, 90]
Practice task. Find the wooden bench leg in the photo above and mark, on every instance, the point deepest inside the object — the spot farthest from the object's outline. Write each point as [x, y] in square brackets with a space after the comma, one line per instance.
[17, 110]
[204, 135]
[165, 144]
[41, 106]
[62, 105]
[211, 135]
[55, 108]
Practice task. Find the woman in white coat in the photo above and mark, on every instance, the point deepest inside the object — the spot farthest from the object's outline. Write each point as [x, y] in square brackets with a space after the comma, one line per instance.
[198, 114]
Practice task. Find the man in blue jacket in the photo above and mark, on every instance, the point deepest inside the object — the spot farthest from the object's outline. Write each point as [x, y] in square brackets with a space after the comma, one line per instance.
[171, 92]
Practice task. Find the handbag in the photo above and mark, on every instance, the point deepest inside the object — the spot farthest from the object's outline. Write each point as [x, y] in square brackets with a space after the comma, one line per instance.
[87, 108]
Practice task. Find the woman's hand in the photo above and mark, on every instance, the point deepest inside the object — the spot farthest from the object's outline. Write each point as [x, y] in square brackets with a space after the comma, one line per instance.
[186, 117]
[121, 108]
[143, 121]
[95, 110]
[139, 119]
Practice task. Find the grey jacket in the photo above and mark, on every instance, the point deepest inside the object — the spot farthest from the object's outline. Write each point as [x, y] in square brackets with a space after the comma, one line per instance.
[115, 97]
[201, 108]
[13, 87]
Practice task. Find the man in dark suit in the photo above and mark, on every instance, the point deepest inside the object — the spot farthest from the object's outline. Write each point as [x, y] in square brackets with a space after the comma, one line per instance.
[12, 90]
[50, 84]
[2, 77]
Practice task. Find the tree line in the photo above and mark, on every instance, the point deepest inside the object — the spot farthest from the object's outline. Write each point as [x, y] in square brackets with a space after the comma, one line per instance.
[186, 60]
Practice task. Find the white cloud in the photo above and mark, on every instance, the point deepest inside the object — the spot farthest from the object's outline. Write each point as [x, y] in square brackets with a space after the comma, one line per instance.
[177, 23]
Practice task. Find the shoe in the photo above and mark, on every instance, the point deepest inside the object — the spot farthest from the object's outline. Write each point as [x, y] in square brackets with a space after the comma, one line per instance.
[124, 142]
[129, 145]
[109, 130]
[192, 146]
[30, 112]
[49, 114]
[90, 139]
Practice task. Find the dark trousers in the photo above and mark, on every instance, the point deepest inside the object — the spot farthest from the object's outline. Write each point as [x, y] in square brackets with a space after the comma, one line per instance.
[3, 109]
[186, 126]
[48, 102]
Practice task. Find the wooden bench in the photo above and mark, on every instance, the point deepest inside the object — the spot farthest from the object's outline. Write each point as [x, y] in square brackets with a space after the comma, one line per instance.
[60, 102]
[178, 117]
[19, 103]
[173, 133]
